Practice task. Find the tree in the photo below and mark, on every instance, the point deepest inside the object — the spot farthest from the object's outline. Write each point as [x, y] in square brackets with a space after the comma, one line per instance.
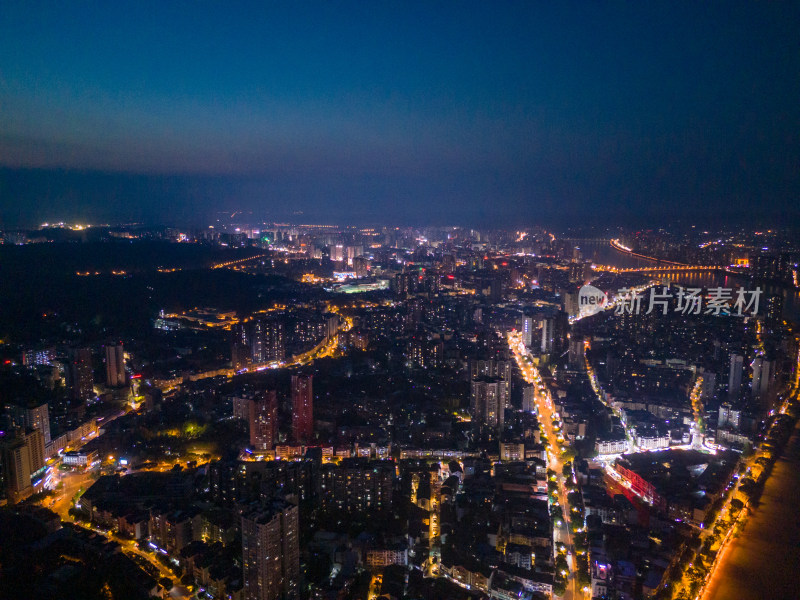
[583, 576]
[747, 449]
[561, 563]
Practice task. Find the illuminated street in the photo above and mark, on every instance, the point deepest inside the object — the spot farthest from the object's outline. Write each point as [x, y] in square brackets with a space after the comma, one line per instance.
[546, 415]
[73, 483]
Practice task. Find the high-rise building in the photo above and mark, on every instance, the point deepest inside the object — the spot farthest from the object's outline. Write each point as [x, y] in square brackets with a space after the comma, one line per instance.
[38, 356]
[352, 252]
[493, 368]
[358, 485]
[31, 416]
[331, 325]
[773, 313]
[115, 366]
[271, 551]
[771, 267]
[241, 406]
[709, 387]
[490, 367]
[762, 377]
[81, 374]
[231, 481]
[266, 340]
[579, 272]
[302, 408]
[548, 335]
[424, 350]
[153, 398]
[527, 327]
[735, 376]
[729, 417]
[402, 284]
[576, 360]
[495, 290]
[488, 401]
[570, 302]
[23, 463]
[337, 253]
[240, 352]
[528, 398]
[263, 420]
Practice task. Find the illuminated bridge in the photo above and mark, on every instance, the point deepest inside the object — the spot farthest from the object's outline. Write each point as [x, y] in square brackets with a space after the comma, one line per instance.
[664, 269]
[618, 245]
[585, 240]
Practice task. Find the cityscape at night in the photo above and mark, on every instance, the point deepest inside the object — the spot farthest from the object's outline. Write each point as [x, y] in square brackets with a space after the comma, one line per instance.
[400, 301]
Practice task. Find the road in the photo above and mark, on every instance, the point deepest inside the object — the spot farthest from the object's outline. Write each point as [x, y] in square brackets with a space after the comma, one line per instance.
[546, 414]
[130, 547]
[76, 482]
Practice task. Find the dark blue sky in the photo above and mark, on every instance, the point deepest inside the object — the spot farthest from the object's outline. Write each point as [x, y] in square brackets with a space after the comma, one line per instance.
[449, 111]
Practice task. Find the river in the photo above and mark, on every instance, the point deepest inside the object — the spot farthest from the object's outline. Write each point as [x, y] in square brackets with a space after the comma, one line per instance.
[603, 253]
[763, 563]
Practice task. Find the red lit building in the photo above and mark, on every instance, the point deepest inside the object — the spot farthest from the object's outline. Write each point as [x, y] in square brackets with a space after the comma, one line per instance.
[640, 487]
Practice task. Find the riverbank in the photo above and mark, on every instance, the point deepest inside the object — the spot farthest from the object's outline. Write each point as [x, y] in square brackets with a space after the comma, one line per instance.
[762, 562]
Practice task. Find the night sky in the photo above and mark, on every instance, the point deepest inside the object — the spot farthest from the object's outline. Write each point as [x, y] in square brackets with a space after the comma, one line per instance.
[440, 112]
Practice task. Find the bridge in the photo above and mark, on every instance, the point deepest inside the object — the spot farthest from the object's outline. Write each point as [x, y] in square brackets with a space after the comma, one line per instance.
[662, 266]
[618, 245]
[230, 263]
[585, 240]
[661, 270]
